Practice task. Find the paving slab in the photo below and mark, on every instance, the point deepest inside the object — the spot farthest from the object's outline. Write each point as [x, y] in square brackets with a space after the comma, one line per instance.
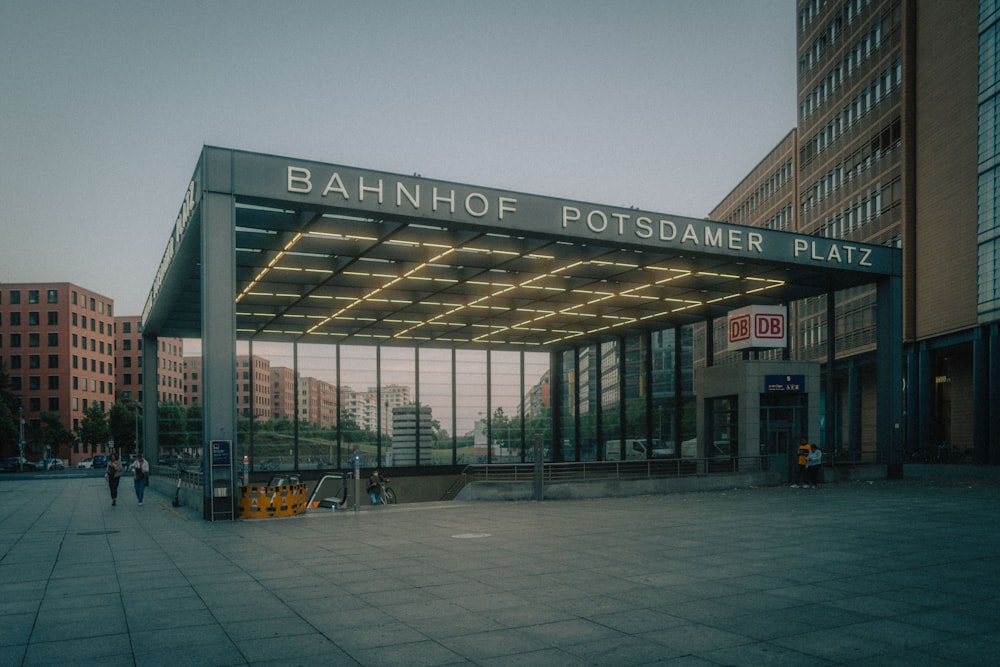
[855, 573]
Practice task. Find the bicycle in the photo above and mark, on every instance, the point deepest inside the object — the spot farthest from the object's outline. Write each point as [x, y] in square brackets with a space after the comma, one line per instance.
[386, 495]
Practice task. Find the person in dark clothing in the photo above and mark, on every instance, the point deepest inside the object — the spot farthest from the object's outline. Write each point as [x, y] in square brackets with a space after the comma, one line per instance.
[114, 475]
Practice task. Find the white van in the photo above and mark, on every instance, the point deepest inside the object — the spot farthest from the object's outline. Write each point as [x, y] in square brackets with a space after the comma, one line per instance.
[635, 450]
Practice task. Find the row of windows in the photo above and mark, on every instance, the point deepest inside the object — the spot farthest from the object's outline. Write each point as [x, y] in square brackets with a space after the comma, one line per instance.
[780, 221]
[15, 340]
[16, 361]
[989, 61]
[842, 71]
[34, 383]
[863, 210]
[851, 11]
[35, 404]
[864, 102]
[781, 177]
[989, 275]
[52, 297]
[989, 133]
[883, 144]
[34, 318]
[14, 296]
[95, 345]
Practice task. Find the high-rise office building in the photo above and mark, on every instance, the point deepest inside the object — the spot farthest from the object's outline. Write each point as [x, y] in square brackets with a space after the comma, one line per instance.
[891, 110]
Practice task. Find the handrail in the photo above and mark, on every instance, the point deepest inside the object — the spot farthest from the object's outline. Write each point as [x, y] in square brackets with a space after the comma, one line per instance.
[638, 469]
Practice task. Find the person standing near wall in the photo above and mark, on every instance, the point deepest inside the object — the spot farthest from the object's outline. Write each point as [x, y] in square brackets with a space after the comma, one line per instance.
[140, 475]
[804, 450]
[114, 475]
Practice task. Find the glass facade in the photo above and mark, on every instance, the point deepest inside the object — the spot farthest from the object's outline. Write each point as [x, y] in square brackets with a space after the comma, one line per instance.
[988, 228]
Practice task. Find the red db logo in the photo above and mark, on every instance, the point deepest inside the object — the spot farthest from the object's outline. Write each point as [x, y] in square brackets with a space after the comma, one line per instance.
[739, 328]
[769, 326]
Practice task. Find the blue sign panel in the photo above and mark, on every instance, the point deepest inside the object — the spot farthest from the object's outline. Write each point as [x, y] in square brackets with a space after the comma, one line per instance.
[221, 452]
[788, 384]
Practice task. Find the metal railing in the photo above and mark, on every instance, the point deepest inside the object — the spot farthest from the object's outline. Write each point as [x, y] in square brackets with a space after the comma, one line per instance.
[602, 470]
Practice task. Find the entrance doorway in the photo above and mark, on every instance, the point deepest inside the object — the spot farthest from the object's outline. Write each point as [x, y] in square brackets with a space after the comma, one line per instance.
[782, 423]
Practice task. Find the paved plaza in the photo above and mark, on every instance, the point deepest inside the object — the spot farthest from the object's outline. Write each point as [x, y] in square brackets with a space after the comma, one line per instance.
[856, 573]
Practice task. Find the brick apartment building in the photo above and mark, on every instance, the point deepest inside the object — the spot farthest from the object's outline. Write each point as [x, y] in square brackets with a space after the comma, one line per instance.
[57, 344]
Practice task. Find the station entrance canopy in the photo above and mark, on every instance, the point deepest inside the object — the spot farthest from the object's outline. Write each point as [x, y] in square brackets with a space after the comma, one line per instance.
[269, 248]
[295, 250]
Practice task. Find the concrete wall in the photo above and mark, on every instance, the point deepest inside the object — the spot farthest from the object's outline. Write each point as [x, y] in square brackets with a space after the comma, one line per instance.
[615, 488]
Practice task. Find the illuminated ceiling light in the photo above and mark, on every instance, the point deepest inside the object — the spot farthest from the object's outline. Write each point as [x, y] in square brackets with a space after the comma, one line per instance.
[270, 265]
[382, 288]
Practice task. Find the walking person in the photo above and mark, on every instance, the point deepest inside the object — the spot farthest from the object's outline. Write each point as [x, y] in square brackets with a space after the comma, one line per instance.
[114, 475]
[140, 476]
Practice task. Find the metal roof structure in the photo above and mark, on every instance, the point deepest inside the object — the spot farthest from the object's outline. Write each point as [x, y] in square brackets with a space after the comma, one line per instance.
[269, 248]
[326, 253]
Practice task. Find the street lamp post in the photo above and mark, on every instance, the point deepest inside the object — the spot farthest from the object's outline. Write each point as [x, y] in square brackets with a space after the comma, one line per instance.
[20, 438]
[136, 407]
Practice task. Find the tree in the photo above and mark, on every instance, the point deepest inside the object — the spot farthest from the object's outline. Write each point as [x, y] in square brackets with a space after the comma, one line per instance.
[172, 426]
[9, 428]
[122, 425]
[94, 426]
[55, 434]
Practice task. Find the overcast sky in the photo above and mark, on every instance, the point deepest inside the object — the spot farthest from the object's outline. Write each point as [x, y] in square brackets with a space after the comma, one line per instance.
[105, 106]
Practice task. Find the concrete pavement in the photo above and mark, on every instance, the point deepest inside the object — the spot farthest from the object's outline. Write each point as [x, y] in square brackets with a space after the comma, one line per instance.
[865, 573]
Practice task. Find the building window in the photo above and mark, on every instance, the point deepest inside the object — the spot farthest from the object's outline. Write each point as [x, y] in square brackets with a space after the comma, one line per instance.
[35, 404]
[54, 404]
[53, 317]
[126, 345]
[126, 327]
[34, 340]
[33, 318]
[34, 361]
[52, 296]
[15, 362]
[15, 319]
[15, 297]
[32, 296]
[53, 361]
[53, 382]
[53, 339]
[34, 383]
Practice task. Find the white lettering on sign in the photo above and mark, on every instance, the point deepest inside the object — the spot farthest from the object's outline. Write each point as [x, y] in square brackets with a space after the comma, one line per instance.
[643, 227]
[836, 253]
[299, 180]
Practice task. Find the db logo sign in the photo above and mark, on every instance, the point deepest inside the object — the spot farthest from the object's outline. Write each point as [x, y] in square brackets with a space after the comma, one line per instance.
[757, 326]
[769, 326]
[739, 328]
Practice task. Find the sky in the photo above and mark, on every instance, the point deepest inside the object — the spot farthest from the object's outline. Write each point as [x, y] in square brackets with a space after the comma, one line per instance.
[105, 106]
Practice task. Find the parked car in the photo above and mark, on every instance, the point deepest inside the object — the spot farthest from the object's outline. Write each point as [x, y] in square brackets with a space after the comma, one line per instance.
[18, 464]
[53, 464]
[86, 463]
[100, 461]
